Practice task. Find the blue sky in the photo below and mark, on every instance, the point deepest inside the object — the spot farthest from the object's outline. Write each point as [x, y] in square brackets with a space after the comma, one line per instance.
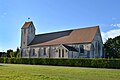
[56, 15]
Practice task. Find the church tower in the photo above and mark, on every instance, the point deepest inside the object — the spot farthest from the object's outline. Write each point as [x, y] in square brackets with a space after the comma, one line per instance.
[27, 34]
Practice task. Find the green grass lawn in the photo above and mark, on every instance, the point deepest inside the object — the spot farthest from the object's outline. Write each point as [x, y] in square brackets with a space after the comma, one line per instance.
[36, 72]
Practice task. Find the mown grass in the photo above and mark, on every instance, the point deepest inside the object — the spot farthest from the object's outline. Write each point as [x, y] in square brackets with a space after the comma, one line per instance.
[35, 72]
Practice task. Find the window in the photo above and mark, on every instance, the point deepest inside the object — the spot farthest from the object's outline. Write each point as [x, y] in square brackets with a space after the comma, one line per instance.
[44, 51]
[33, 52]
[99, 49]
[92, 48]
[59, 52]
[81, 49]
[62, 52]
[39, 52]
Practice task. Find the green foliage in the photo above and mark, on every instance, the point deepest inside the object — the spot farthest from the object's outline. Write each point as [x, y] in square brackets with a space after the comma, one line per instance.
[12, 54]
[112, 47]
[4, 55]
[96, 63]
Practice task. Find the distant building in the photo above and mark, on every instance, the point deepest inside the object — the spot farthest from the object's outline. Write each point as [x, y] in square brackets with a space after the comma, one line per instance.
[75, 43]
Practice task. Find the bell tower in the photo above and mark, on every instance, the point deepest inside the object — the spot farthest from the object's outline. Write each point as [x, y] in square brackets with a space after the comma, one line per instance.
[27, 34]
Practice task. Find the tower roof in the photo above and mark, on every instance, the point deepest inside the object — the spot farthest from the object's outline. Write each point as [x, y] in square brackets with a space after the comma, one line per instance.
[27, 24]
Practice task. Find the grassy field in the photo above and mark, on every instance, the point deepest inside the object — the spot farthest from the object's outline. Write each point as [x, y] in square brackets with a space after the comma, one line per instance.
[35, 72]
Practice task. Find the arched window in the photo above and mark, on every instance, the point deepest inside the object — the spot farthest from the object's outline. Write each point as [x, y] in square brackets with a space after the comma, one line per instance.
[44, 51]
[33, 52]
[59, 52]
[92, 49]
[96, 45]
[39, 52]
[81, 49]
[62, 52]
[99, 49]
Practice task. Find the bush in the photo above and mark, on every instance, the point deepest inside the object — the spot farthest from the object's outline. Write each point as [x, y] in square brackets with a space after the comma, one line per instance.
[75, 62]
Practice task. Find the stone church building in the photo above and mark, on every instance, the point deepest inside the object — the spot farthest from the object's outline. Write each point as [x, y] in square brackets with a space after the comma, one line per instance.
[75, 43]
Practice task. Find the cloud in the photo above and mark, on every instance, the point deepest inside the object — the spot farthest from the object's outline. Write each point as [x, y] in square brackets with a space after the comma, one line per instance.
[116, 25]
[110, 34]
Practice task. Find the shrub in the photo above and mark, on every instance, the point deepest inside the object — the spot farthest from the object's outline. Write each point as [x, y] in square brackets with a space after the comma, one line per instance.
[75, 62]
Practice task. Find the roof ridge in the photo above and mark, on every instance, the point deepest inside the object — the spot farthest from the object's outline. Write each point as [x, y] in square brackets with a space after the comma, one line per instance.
[67, 30]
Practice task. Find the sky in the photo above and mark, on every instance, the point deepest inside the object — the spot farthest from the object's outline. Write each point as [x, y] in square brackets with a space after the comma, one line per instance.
[56, 15]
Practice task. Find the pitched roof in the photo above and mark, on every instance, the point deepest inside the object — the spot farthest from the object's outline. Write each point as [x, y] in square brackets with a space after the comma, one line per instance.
[69, 48]
[82, 35]
[26, 24]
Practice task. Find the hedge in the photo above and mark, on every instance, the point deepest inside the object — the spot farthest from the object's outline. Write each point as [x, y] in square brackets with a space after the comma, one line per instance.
[75, 62]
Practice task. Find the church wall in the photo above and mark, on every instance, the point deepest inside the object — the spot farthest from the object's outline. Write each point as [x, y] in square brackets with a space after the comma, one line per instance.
[98, 45]
[24, 33]
[51, 52]
[69, 54]
[31, 35]
[25, 53]
[87, 49]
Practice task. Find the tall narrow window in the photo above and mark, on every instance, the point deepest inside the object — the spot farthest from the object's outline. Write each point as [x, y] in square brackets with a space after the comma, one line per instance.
[96, 45]
[81, 49]
[59, 52]
[99, 49]
[39, 52]
[62, 52]
[33, 52]
[44, 51]
[92, 48]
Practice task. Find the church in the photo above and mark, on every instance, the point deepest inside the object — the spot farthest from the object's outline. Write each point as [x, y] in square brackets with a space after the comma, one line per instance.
[76, 43]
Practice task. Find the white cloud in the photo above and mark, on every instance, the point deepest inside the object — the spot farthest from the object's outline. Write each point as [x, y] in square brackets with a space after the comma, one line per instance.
[110, 34]
[116, 25]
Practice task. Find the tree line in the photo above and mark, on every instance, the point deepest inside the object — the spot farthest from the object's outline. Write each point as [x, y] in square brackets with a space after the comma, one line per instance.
[10, 53]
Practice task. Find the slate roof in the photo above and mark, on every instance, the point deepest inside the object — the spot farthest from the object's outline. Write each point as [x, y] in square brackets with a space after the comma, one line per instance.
[74, 36]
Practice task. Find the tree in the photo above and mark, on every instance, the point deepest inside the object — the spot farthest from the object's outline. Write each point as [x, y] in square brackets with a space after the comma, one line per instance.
[12, 54]
[112, 47]
[17, 53]
[3, 54]
[8, 52]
